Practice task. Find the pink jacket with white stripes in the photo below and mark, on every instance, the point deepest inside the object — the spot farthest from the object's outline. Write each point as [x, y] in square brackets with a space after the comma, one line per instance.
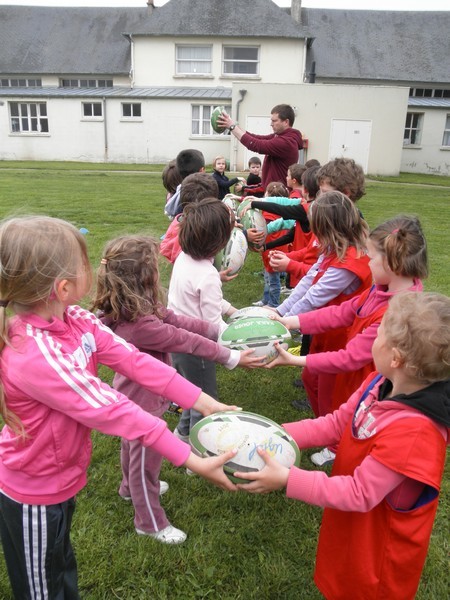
[49, 377]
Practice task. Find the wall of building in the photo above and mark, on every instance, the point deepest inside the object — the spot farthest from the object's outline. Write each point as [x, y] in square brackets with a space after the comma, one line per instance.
[277, 58]
[318, 104]
[163, 130]
[429, 156]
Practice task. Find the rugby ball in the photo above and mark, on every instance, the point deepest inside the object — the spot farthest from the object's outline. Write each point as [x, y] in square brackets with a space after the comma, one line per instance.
[244, 205]
[258, 334]
[244, 432]
[232, 202]
[254, 219]
[234, 254]
[214, 117]
[250, 311]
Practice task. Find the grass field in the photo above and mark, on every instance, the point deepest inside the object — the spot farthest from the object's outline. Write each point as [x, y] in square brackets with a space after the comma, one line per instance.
[239, 547]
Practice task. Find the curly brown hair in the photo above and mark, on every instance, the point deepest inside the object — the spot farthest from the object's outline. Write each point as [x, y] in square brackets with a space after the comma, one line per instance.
[344, 175]
[418, 325]
[128, 279]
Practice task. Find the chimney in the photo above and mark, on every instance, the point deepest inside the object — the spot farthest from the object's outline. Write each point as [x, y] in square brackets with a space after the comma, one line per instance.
[296, 11]
[150, 6]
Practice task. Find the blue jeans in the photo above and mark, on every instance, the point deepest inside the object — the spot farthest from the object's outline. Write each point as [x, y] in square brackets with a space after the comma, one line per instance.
[272, 287]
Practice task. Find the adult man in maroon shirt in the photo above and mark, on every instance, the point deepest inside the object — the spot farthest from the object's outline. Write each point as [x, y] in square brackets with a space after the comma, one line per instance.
[280, 148]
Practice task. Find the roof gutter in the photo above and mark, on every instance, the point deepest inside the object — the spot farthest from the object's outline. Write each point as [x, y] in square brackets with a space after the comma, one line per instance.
[235, 148]
[129, 37]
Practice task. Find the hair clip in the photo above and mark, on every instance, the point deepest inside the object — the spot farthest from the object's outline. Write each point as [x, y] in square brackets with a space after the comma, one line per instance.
[103, 261]
[4, 303]
[395, 230]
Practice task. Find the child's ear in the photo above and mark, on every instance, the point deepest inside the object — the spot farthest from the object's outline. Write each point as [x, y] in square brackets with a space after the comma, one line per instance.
[397, 359]
[62, 289]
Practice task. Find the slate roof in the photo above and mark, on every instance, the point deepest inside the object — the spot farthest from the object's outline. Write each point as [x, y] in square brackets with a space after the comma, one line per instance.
[43, 40]
[380, 45]
[354, 45]
[219, 93]
[226, 18]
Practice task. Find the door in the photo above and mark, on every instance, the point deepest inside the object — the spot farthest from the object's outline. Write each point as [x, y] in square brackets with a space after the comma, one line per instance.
[351, 139]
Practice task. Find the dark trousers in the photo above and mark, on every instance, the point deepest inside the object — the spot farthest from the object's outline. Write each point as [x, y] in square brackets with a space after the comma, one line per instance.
[200, 372]
[37, 549]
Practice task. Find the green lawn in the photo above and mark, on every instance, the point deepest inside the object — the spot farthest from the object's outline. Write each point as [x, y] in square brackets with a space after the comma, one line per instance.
[239, 547]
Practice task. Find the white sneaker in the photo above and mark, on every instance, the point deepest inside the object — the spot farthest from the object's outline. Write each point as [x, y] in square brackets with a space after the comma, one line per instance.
[163, 488]
[258, 303]
[323, 458]
[180, 436]
[168, 535]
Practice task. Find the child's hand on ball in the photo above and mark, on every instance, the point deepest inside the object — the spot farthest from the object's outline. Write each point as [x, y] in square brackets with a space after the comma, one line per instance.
[273, 476]
[212, 469]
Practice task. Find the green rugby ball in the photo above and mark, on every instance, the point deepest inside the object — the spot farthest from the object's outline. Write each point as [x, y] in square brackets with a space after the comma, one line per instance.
[214, 117]
[258, 334]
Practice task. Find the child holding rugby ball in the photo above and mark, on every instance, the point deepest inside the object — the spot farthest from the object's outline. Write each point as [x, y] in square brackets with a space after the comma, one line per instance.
[381, 498]
[195, 290]
[397, 254]
[129, 295]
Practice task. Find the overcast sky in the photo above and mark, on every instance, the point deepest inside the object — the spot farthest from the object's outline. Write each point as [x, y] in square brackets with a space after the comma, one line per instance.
[361, 4]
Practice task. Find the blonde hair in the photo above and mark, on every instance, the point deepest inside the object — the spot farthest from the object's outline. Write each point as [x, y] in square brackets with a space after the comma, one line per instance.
[35, 253]
[219, 158]
[338, 224]
[418, 325]
[403, 244]
[128, 279]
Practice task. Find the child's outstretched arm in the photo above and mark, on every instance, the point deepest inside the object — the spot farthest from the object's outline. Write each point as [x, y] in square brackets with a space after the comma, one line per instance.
[212, 469]
[207, 405]
[286, 359]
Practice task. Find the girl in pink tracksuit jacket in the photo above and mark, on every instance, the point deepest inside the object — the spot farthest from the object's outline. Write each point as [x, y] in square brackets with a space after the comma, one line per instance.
[51, 398]
[128, 294]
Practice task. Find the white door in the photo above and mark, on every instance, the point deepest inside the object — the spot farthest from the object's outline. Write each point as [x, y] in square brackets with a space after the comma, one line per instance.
[351, 139]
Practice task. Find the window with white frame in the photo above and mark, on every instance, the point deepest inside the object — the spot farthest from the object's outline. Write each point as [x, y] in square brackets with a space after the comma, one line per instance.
[446, 136]
[131, 110]
[240, 60]
[28, 117]
[193, 60]
[201, 119]
[92, 110]
[413, 129]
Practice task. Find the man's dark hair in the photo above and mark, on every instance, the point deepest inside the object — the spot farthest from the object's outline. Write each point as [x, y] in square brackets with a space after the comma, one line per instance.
[284, 111]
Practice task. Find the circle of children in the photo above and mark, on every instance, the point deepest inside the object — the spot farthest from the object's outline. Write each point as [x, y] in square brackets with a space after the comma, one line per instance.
[376, 372]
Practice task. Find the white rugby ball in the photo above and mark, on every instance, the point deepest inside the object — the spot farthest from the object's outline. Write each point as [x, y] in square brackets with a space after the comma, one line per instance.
[250, 311]
[258, 334]
[244, 432]
[232, 202]
[234, 254]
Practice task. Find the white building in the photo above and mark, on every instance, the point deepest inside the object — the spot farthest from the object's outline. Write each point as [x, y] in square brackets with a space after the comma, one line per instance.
[138, 84]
